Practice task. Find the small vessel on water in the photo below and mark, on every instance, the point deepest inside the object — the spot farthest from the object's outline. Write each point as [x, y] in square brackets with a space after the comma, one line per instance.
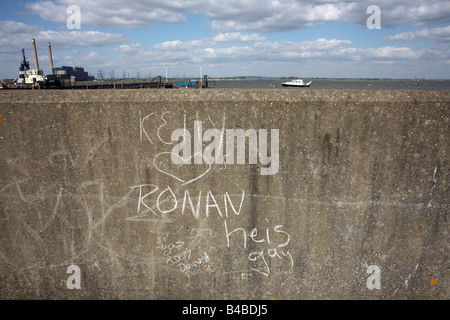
[296, 83]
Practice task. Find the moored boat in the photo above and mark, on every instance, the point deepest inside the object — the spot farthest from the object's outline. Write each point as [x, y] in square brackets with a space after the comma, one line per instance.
[296, 83]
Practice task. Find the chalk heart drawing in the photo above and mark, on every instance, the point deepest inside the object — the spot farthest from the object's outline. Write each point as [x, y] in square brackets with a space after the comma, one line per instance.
[163, 163]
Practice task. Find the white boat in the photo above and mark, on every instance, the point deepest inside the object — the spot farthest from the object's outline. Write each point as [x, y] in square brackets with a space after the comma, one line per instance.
[27, 75]
[296, 83]
[32, 76]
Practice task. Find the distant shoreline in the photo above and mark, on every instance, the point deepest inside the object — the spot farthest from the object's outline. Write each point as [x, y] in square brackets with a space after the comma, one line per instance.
[333, 79]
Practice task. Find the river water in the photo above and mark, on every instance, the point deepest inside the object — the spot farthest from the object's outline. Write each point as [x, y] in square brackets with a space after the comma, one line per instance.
[335, 84]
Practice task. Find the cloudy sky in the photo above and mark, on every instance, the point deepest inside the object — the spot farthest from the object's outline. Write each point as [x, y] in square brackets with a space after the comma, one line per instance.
[316, 38]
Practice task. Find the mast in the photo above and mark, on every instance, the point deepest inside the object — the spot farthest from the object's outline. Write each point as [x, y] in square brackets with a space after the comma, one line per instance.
[24, 66]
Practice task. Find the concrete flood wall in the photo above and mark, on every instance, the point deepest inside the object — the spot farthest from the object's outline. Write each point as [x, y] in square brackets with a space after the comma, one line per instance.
[94, 205]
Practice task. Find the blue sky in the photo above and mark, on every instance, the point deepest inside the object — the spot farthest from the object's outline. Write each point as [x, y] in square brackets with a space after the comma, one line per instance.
[317, 38]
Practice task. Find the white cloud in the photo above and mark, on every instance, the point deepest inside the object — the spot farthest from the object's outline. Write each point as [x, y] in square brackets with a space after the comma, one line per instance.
[250, 15]
[208, 52]
[390, 53]
[111, 13]
[92, 58]
[272, 16]
[238, 37]
[439, 34]
[177, 45]
[16, 35]
[49, 10]
[7, 26]
[231, 37]
[126, 48]
[77, 39]
[237, 42]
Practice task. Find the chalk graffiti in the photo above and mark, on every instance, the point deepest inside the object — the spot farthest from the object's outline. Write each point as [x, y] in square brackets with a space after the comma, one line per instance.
[167, 248]
[184, 181]
[220, 149]
[88, 204]
[44, 201]
[271, 247]
[174, 155]
[162, 201]
[179, 255]
[196, 266]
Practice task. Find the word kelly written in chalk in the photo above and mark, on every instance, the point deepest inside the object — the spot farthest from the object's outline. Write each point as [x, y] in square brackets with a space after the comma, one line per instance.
[220, 145]
[214, 151]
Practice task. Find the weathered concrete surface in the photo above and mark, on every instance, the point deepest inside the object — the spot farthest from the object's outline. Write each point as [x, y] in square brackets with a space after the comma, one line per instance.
[87, 180]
